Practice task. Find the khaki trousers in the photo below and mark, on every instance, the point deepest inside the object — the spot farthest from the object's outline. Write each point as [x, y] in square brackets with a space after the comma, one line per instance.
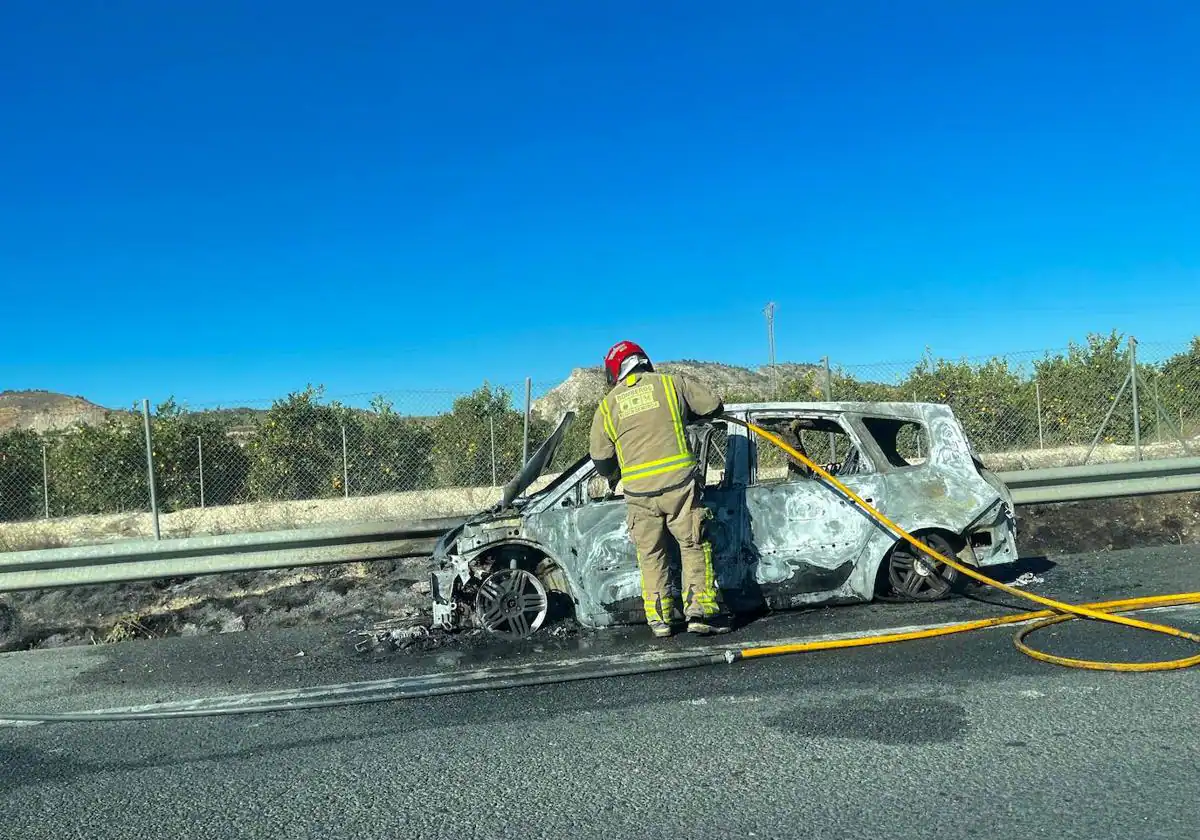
[679, 514]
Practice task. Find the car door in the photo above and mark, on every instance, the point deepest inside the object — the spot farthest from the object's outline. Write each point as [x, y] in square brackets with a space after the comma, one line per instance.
[590, 537]
[804, 537]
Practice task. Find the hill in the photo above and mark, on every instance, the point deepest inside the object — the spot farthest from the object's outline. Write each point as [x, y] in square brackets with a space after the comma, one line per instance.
[45, 411]
[585, 386]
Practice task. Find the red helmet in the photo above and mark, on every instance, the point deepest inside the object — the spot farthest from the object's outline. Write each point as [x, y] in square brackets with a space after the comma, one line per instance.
[623, 359]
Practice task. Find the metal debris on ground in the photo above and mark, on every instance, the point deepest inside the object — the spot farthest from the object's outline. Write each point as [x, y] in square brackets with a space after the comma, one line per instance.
[393, 634]
[1028, 579]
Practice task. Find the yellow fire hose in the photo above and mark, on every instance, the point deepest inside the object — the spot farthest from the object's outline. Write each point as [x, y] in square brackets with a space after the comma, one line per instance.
[1058, 611]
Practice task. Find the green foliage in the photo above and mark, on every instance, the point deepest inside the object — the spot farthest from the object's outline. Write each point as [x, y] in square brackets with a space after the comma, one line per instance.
[1178, 386]
[100, 468]
[180, 438]
[21, 487]
[1079, 388]
[462, 439]
[992, 401]
[296, 451]
[848, 389]
[388, 453]
[575, 442]
[806, 388]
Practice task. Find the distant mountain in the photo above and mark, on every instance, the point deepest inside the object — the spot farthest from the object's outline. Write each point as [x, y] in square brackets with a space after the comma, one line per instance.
[45, 411]
[585, 386]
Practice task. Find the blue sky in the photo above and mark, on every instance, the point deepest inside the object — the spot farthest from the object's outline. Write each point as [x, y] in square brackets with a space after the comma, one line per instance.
[227, 200]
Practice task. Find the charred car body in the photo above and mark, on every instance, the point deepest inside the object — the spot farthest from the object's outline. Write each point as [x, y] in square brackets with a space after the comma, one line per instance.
[781, 538]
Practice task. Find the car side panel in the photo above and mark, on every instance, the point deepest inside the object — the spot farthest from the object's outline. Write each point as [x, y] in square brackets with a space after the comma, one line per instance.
[805, 540]
[592, 544]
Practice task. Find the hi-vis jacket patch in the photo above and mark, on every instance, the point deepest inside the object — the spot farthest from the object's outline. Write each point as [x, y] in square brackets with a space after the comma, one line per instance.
[636, 400]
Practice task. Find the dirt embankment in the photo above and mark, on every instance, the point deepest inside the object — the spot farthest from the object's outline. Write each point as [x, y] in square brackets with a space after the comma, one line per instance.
[355, 595]
[1109, 524]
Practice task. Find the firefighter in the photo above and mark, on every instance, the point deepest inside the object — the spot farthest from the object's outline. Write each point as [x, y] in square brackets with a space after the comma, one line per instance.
[638, 435]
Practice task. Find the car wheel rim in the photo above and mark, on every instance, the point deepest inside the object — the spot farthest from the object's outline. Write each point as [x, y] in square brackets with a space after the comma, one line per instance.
[511, 603]
[918, 577]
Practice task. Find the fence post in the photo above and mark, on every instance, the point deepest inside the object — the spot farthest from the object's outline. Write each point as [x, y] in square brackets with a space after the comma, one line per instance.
[200, 453]
[345, 465]
[829, 398]
[1158, 412]
[46, 480]
[150, 468]
[492, 429]
[1037, 392]
[1137, 417]
[920, 454]
[1104, 424]
[528, 410]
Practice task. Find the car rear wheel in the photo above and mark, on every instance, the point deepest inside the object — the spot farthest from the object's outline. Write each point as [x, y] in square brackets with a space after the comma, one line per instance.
[915, 576]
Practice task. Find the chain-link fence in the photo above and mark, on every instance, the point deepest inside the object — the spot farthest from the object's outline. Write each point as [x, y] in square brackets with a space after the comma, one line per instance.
[1108, 399]
[425, 453]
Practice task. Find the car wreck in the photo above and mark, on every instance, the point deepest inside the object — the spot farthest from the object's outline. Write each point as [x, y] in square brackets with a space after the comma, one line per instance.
[782, 538]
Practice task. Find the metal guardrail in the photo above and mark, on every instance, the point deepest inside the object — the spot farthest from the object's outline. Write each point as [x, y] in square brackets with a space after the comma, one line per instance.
[1102, 481]
[136, 560]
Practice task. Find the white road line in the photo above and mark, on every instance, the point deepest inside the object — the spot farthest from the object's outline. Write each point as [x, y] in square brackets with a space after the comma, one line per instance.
[422, 680]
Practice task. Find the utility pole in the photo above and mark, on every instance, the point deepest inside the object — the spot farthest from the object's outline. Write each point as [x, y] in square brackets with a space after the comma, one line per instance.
[770, 313]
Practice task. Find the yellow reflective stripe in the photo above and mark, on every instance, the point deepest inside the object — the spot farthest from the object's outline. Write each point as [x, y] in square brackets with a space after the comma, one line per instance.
[709, 597]
[647, 474]
[676, 416]
[611, 429]
[666, 468]
[649, 466]
[659, 462]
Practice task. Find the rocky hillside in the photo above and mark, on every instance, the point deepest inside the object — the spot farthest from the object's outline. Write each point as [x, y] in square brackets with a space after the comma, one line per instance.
[44, 411]
[585, 386]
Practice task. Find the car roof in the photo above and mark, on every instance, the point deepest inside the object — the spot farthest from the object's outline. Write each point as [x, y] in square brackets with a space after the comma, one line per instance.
[899, 409]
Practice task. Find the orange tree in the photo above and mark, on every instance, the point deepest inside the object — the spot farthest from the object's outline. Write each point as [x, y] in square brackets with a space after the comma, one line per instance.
[21, 489]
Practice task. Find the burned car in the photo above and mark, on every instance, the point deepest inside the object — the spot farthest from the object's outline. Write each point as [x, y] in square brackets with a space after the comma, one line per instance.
[782, 538]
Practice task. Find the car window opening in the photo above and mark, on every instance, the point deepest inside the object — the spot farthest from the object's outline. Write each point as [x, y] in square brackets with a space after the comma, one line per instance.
[902, 442]
[822, 439]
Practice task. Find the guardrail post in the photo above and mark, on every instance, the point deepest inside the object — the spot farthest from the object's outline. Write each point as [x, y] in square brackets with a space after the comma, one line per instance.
[1137, 418]
[150, 468]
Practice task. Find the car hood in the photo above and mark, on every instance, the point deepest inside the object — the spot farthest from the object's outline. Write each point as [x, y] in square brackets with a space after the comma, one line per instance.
[537, 463]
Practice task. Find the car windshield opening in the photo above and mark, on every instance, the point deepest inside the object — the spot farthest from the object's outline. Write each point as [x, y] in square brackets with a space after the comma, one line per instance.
[824, 440]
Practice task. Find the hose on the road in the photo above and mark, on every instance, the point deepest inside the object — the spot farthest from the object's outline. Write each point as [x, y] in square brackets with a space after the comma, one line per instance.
[1059, 611]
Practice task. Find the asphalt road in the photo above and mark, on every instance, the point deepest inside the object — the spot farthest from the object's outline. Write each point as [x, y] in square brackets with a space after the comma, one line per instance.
[958, 737]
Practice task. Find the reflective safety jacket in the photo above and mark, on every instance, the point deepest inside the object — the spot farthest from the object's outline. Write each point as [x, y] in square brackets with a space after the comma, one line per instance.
[639, 427]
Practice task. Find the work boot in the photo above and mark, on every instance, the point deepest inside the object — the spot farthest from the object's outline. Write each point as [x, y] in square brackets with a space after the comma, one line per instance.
[661, 629]
[709, 626]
